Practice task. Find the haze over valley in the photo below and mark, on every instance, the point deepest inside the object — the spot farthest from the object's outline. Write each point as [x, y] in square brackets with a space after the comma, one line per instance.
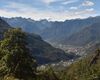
[49, 40]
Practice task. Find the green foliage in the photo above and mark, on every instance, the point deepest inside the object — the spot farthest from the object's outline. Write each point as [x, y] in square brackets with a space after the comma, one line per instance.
[15, 57]
[48, 74]
[84, 69]
[16, 62]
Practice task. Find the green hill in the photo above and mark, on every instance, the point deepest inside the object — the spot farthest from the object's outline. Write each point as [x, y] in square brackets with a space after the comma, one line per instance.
[87, 68]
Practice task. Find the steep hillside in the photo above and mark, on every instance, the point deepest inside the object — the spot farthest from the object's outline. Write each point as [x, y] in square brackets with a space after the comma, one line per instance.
[3, 27]
[50, 31]
[62, 30]
[28, 24]
[42, 51]
[88, 35]
[87, 68]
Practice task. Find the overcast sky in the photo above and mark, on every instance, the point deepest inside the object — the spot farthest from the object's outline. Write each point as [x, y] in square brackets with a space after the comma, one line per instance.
[50, 9]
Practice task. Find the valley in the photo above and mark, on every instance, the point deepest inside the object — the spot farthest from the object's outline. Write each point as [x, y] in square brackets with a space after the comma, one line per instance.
[49, 39]
[76, 42]
[60, 52]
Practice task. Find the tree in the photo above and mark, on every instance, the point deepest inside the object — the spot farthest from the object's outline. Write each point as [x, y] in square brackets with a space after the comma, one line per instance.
[15, 55]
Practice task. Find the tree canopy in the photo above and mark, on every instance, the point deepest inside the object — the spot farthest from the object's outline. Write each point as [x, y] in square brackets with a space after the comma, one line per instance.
[15, 56]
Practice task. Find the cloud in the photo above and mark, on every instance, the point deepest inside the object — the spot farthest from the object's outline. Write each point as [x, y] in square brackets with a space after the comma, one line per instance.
[87, 3]
[19, 9]
[69, 1]
[48, 1]
[73, 8]
[85, 12]
[54, 16]
[64, 2]
[18, 6]
[91, 9]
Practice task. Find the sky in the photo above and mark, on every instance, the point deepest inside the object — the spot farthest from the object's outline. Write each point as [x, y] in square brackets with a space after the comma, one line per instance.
[55, 10]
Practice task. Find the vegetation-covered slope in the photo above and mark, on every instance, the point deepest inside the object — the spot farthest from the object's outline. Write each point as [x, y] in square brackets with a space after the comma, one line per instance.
[87, 68]
[17, 62]
[42, 51]
[15, 57]
[88, 35]
[62, 30]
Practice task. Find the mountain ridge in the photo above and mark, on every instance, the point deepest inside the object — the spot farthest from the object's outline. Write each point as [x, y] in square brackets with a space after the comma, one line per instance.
[51, 31]
[85, 36]
[41, 50]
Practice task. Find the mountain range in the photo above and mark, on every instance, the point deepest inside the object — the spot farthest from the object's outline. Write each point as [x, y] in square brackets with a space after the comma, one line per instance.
[28, 25]
[90, 34]
[62, 30]
[84, 68]
[41, 50]
[69, 32]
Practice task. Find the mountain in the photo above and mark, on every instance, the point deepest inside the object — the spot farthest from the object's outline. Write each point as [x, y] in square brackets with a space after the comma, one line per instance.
[28, 25]
[3, 27]
[88, 35]
[42, 51]
[92, 48]
[52, 31]
[87, 68]
[62, 30]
